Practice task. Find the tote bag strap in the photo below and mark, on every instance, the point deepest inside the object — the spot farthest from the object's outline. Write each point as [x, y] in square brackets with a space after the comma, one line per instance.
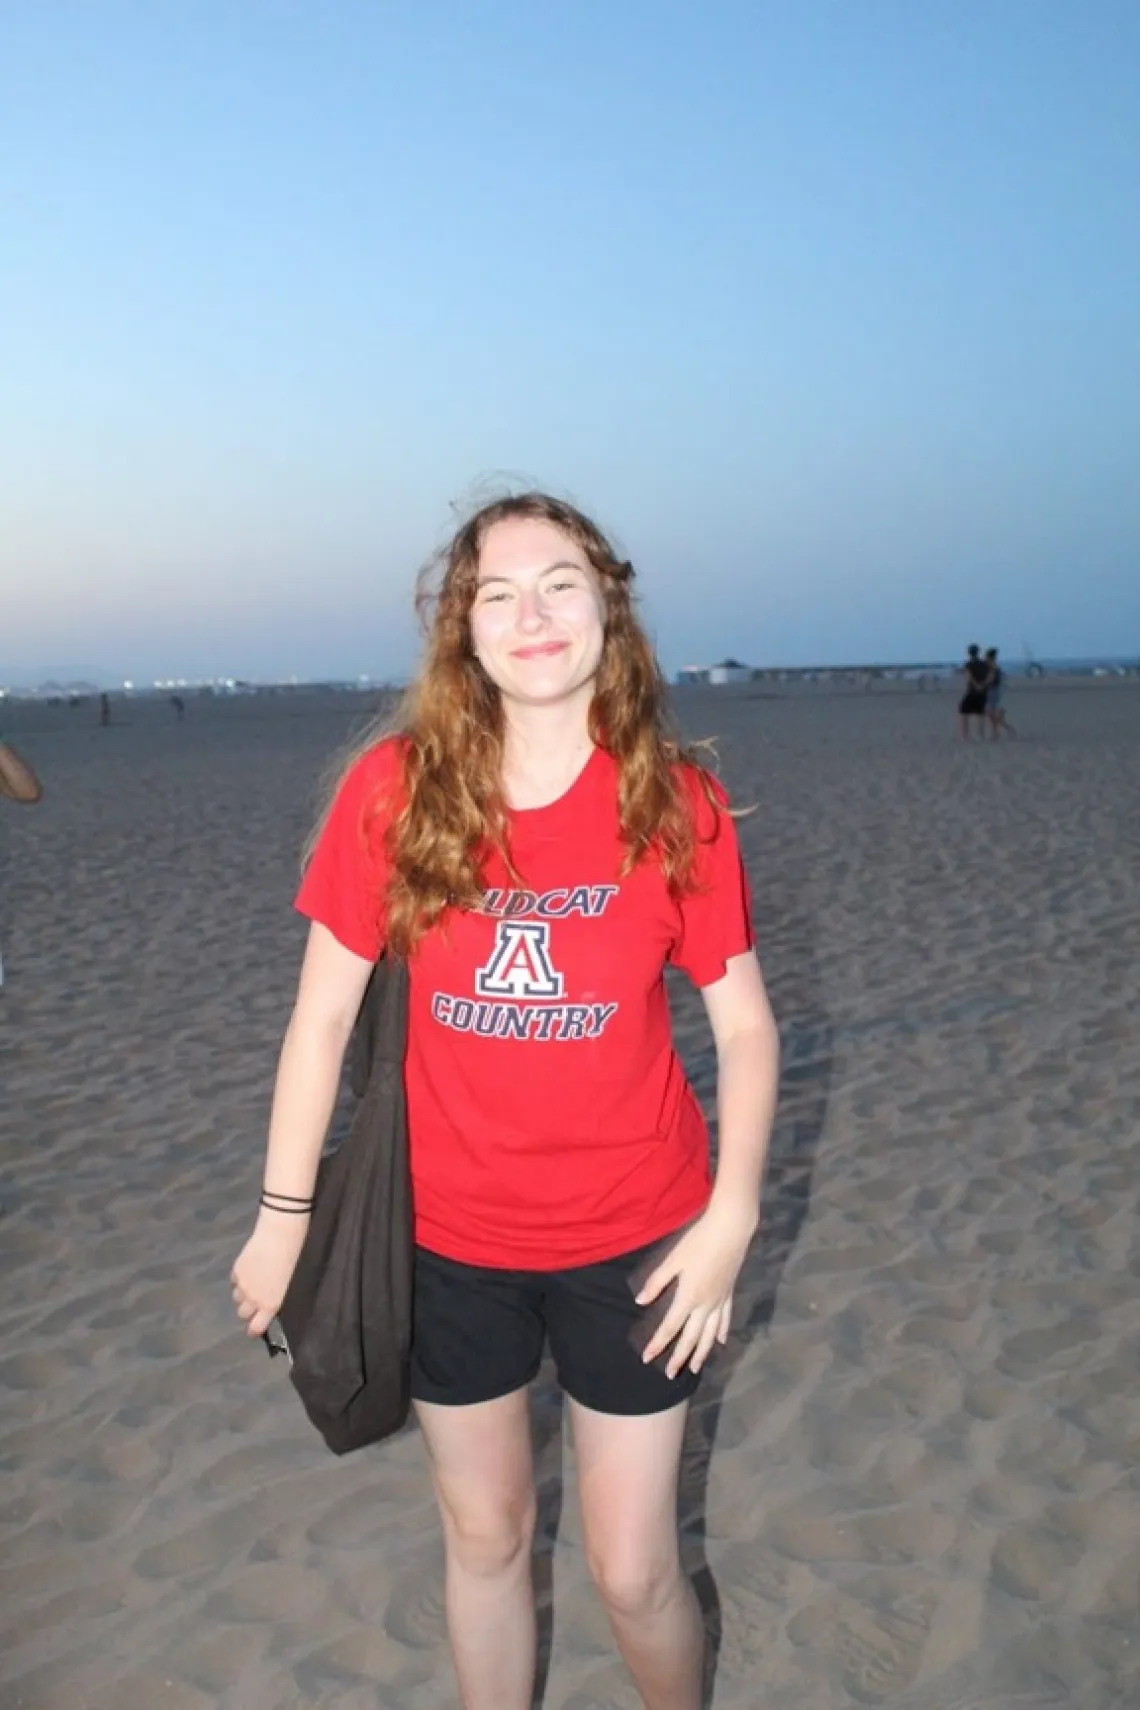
[381, 1033]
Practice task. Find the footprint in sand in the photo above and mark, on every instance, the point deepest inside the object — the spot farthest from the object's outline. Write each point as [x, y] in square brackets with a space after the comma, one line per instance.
[903, 1534]
[165, 1342]
[944, 1694]
[590, 1701]
[239, 1470]
[362, 1659]
[927, 1385]
[210, 1544]
[1027, 1353]
[609, 1690]
[876, 1632]
[800, 1535]
[38, 1372]
[829, 1440]
[268, 1591]
[1119, 1596]
[750, 1573]
[415, 1613]
[148, 1689]
[1002, 1243]
[1035, 1561]
[753, 1591]
[83, 1603]
[92, 1515]
[989, 1398]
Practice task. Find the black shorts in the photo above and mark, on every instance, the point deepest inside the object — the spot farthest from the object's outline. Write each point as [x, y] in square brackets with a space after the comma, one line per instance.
[973, 703]
[479, 1333]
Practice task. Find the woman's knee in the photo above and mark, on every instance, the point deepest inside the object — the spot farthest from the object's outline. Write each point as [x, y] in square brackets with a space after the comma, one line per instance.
[633, 1584]
[488, 1540]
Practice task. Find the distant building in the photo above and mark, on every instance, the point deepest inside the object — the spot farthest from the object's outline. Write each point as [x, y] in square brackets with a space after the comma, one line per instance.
[728, 671]
[834, 676]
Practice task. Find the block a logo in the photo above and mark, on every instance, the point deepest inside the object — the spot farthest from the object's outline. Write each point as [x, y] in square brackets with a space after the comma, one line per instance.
[519, 966]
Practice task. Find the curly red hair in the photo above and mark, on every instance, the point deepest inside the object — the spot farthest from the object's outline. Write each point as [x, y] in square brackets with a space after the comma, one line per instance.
[451, 724]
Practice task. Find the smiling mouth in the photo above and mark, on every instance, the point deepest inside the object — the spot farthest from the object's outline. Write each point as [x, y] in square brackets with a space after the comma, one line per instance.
[545, 651]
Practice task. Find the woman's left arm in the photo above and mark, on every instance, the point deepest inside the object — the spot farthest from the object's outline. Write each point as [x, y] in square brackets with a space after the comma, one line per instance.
[707, 1259]
[747, 1079]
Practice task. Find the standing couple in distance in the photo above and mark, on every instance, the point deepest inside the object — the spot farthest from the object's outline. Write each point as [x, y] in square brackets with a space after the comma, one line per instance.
[982, 699]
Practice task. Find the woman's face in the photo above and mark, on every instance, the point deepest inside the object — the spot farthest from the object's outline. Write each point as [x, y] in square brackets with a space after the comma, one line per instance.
[538, 619]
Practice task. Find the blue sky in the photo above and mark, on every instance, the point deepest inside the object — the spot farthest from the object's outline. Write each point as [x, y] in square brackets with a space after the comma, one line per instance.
[830, 311]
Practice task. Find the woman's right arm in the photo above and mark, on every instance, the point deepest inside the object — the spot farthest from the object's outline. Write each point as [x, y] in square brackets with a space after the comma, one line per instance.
[329, 996]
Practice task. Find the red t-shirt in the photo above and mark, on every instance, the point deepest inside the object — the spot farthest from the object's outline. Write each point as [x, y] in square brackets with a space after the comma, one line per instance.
[550, 1121]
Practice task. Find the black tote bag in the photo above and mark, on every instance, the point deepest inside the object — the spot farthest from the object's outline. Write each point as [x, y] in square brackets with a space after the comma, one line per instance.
[347, 1313]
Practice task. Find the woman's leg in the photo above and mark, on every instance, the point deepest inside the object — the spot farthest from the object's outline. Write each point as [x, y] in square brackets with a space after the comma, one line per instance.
[483, 1470]
[627, 1478]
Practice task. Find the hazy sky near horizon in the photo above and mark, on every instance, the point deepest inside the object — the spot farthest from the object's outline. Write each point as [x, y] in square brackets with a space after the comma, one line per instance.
[830, 311]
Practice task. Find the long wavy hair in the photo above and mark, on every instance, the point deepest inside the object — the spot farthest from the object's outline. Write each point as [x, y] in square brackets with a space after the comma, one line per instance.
[452, 812]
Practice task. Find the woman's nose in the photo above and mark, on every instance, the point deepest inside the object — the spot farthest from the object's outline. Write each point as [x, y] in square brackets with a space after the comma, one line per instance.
[531, 609]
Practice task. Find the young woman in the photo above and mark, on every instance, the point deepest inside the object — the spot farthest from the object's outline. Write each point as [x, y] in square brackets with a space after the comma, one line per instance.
[539, 847]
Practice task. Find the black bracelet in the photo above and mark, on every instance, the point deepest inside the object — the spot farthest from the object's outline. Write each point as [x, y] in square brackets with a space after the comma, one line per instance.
[290, 1202]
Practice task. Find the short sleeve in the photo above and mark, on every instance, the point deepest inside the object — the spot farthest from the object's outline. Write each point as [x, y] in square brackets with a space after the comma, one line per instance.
[716, 912]
[346, 878]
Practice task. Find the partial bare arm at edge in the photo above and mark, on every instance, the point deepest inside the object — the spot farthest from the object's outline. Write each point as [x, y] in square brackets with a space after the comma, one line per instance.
[17, 780]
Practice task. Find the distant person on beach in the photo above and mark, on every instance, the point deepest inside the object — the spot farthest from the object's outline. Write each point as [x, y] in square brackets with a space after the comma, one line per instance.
[104, 710]
[995, 711]
[18, 783]
[973, 702]
[539, 845]
[179, 706]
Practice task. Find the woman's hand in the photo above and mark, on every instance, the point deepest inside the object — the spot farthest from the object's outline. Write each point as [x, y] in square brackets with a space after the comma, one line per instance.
[705, 1264]
[264, 1266]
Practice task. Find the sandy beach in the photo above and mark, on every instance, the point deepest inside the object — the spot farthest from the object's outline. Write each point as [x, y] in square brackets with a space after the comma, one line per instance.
[911, 1481]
